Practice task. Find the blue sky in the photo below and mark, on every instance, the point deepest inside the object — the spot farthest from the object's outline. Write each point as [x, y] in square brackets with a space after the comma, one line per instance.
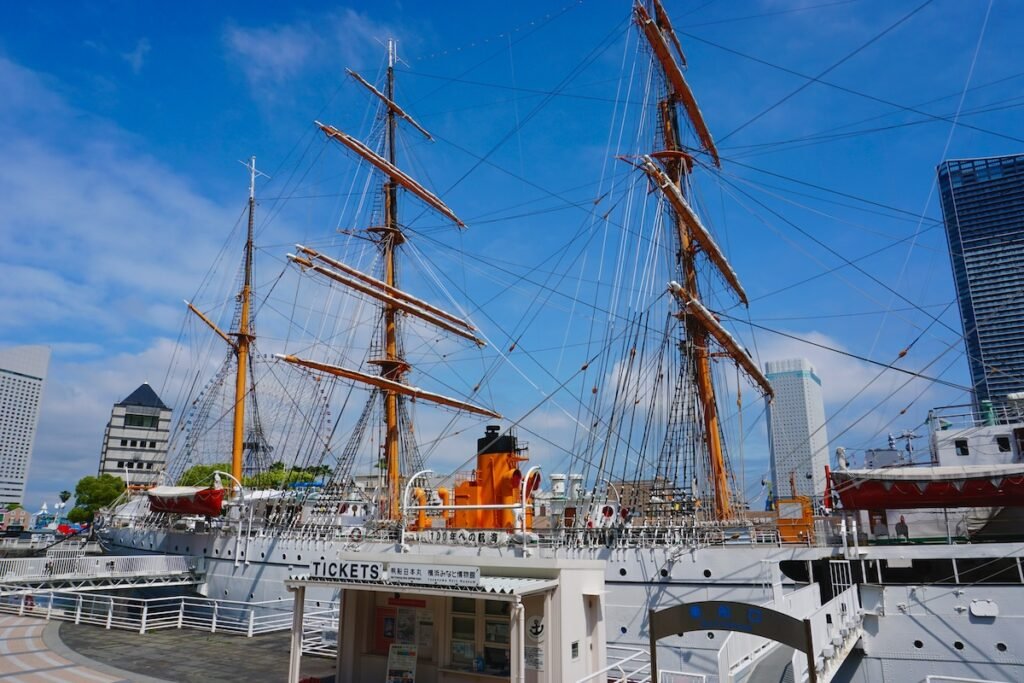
[121, 125]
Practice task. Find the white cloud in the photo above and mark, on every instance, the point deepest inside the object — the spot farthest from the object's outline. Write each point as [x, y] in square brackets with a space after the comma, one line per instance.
[271, 56]
[102, 241]
[858, 406]
[137, 57]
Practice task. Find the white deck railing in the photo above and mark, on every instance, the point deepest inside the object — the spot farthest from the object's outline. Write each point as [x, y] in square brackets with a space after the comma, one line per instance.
[153, 614]
[627, 664]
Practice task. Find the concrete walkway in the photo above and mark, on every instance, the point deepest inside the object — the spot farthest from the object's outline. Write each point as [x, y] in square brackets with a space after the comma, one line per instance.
[25, 657]
[33, 650]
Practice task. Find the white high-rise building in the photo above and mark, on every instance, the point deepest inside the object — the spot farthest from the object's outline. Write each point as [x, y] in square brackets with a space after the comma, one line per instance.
[22, 376]
[796, 428]
[135, 441]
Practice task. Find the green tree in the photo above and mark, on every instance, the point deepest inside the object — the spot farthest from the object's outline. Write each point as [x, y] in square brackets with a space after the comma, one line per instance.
[14, 506]
[202, 475]
[93, 493]
[78, 515]
[65, 496]
[277, 478]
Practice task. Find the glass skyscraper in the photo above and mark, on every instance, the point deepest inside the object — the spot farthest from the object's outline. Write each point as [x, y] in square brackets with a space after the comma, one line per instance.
[797, 437]
[983, 209]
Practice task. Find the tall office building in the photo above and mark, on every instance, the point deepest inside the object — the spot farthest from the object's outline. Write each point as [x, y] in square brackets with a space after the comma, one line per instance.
[135, 441]
[22, 376]
[983, 208]
[796, 428]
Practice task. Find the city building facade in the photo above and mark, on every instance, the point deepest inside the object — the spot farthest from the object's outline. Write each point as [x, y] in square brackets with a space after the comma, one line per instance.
[22, 377]
[136, 438]
[797, 436]
[983, 210]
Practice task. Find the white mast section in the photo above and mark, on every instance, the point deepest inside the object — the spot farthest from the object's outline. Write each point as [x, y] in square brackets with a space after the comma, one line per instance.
[690, 219]
[390, 385]
[404, 304]
[708, 321]
[391, 170]
[393, 291]
[392, 105]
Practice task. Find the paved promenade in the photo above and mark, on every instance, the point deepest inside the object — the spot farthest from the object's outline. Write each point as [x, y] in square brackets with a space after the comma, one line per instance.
[34, 651]
[26, 658]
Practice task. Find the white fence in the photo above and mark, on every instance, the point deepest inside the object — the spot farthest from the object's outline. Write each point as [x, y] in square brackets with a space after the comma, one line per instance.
[153, 614]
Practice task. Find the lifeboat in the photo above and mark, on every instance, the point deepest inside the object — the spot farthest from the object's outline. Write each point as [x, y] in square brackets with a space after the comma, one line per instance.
[930, 487]
[186, 500]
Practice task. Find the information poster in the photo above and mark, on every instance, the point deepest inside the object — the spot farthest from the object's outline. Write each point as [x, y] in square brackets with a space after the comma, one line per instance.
[534, 656]
[426, 633]
[405, 626]
[401, 664]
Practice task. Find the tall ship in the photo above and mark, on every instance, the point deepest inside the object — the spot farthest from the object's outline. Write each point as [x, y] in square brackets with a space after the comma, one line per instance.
[319, 448]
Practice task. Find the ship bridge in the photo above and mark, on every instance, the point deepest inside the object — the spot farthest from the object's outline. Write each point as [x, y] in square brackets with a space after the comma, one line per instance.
[73, 570]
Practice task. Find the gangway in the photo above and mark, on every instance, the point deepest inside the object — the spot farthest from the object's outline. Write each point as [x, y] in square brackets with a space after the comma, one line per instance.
[73, 570]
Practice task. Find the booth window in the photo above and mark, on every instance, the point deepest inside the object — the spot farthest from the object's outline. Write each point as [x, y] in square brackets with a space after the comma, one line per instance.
[480, 627]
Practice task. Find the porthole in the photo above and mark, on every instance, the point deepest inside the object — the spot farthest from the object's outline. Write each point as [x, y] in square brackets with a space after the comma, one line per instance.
[664, 573]
[284, 556]
[622, 572]
[707, 573]
[298, 558]
[958, 645]
[216, 551]
[1001, 647]
[252, 595]
[622, 630]
[711, 636]
[263, 555]
[918, 644]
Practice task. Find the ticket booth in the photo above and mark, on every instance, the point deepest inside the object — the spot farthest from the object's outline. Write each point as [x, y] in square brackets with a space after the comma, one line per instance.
[413, 619]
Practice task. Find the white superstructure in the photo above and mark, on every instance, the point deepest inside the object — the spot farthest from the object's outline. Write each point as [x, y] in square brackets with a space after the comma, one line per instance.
[22, 375]
[796, 428]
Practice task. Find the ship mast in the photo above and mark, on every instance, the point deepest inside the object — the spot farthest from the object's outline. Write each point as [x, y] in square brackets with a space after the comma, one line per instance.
[695, 332]
[241, 340]
[392, 367]
[395, 303]
[676, 163]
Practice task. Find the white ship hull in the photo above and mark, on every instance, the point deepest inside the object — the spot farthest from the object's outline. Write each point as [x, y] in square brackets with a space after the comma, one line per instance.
[916, 623]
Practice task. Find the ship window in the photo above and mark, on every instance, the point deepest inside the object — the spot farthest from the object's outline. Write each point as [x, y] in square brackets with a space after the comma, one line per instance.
[961, 447]
[1004, 444]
